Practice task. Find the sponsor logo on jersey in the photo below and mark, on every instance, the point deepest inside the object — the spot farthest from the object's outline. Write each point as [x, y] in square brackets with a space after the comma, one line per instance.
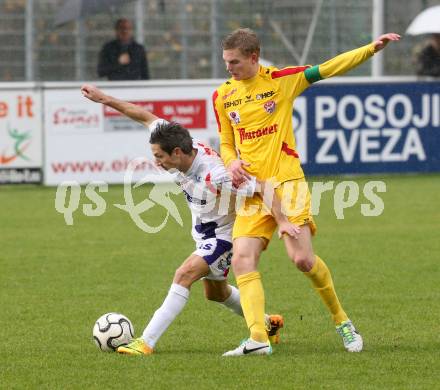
[264, 95]
[235, 117]
[269, 106]
[230, 93]
[248, 99]
[244, 135]
[234, 103]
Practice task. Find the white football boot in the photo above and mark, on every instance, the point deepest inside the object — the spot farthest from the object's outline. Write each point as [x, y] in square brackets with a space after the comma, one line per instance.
[352, 339]
[250, 347]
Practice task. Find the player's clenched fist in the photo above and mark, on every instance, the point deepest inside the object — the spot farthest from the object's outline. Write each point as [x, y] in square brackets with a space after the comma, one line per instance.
[93, 93]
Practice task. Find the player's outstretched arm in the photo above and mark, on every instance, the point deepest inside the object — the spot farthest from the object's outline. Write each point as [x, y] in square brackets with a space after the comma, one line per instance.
[344, 62]
[130, 110]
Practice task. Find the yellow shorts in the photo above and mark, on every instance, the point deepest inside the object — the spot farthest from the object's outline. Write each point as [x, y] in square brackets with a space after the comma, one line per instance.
[254, 220]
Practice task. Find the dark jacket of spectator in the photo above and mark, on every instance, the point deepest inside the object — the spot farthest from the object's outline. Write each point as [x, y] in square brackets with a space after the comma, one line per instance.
[123, 58]
[110, 67]
[427, 57]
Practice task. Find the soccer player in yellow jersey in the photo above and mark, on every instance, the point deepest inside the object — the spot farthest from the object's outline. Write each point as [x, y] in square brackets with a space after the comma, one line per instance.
[254, 115]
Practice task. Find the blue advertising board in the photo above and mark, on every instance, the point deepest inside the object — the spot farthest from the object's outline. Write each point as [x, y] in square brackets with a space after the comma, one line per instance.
[369, 127]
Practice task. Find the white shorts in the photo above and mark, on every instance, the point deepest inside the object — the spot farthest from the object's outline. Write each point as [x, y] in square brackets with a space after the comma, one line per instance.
[218, 254]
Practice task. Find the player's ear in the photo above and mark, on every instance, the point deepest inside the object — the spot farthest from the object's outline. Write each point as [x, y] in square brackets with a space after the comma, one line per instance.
[177, 151]
[254, 58]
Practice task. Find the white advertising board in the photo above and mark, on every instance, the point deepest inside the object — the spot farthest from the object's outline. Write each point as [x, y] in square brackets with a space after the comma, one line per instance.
[20, 136]
[86, 141]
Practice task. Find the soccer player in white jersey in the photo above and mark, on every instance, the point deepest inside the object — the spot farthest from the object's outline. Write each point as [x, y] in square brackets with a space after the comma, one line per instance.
[203, 178]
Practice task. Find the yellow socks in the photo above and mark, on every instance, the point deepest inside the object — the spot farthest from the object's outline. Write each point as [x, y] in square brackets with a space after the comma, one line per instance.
[252, 303]
[252, 298]
[323, 284]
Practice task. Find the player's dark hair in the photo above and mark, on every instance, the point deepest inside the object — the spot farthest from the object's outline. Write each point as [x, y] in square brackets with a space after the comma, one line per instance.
[170, 136]
[243, 39]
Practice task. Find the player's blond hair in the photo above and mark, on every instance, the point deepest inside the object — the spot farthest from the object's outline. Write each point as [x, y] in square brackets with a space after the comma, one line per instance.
[243, 39]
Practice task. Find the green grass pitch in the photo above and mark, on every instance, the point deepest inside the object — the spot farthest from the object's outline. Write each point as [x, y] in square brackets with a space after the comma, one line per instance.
[56, 280]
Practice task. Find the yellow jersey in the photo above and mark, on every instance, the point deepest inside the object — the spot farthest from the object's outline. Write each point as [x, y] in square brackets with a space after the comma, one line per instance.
[254, 116]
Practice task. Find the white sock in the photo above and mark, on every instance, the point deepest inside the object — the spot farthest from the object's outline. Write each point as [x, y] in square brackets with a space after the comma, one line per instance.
[165, 315]
[233, 302]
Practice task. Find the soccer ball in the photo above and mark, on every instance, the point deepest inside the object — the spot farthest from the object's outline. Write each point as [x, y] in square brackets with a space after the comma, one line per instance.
[112, 330]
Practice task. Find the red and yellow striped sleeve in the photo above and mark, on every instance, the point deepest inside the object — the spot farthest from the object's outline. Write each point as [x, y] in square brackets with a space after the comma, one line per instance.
[226, 133]
[291, 80]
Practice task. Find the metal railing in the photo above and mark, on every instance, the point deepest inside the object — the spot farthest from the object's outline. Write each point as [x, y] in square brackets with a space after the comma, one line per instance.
[183, 37]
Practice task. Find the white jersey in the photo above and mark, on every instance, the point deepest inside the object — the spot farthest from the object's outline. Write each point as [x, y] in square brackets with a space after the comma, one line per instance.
[210, 194]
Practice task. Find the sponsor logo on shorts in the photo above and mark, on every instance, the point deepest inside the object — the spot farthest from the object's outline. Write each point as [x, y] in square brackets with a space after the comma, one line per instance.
[224, 264]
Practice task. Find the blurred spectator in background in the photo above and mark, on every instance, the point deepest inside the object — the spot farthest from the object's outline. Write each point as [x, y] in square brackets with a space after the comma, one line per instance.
[427, 57]
[123, 58]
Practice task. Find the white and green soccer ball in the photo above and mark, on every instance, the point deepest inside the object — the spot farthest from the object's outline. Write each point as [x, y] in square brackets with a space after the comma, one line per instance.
[112, 330]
